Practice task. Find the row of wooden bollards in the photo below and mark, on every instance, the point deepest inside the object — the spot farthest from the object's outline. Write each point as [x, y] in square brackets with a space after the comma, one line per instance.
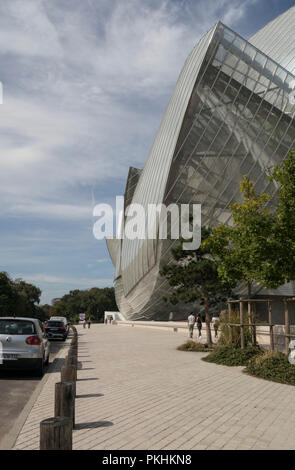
[56, 433]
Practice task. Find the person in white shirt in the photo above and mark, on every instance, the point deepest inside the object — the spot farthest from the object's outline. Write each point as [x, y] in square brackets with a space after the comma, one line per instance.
[191, 323]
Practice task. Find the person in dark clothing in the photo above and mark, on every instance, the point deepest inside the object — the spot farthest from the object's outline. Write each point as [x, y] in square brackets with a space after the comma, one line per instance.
[199, 324]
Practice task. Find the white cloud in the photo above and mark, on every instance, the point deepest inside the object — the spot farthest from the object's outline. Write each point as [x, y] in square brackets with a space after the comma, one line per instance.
[85, 86]
[80, 102]
[49, 279]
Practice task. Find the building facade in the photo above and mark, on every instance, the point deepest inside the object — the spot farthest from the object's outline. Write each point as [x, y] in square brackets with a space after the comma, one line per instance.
[230, 114]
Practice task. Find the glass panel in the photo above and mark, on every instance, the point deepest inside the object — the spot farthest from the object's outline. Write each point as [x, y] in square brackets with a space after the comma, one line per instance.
[281, 74]
[270, 66]
[250, 51]
[240, 43]
[260, 59]
[228, 35]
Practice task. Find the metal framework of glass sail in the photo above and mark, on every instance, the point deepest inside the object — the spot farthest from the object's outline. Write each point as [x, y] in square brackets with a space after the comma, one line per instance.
[229, 115]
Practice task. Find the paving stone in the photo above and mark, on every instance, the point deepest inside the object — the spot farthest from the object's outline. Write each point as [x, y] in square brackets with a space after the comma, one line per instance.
[139, 392]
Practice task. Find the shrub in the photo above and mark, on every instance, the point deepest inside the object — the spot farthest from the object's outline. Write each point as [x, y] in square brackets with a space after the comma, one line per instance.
[232, 355]
[273, 366]
[191, 345]
[224, 338]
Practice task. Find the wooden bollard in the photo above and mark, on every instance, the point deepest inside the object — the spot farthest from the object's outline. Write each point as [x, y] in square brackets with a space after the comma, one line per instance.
[72, 358]
[56, 433]
[68, 373]
[64, 404]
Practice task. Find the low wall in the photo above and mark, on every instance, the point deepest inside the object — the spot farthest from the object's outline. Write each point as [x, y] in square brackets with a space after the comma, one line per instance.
[262, 332]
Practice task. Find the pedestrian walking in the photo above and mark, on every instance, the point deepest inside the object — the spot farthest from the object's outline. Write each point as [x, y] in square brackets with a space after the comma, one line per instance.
[89, 322]
[199, 324]
[84, 323]
[215, 321]
[191, 323]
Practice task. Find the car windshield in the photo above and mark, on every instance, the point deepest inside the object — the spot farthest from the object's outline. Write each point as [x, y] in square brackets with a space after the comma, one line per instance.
[54, 323]
[17, 327]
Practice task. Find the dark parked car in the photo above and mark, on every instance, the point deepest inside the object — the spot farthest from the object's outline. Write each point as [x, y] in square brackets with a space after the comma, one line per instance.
[56, 329]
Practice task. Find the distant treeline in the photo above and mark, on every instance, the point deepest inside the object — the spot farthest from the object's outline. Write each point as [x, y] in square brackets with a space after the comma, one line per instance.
[20, 298]
[94, 302]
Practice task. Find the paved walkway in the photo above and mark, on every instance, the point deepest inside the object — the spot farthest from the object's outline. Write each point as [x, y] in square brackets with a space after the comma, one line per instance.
[136, 391]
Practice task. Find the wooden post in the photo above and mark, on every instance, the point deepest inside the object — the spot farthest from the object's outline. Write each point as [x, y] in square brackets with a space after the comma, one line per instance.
[72, 358]
[230, 331]
[56, 433]
[250, 321]
[69, 374]
[270, 325]
[64, 404]
[242, 332]
[251, 318]
[287, 327]
[254, 321]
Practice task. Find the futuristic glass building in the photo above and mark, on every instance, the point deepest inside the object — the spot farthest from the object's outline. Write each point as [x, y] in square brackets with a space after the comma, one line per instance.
[230, 114]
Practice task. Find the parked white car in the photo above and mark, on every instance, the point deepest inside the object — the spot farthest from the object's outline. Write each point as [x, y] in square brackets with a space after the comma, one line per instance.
[23, 344]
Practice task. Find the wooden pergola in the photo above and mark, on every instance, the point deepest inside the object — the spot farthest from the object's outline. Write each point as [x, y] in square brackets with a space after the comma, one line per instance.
[252, 324]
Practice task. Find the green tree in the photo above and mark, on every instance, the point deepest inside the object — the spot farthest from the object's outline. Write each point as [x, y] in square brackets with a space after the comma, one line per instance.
[193, 275]
[8, 295]
[28, 296]
[93, 302]
[283, 176]
[245, 250]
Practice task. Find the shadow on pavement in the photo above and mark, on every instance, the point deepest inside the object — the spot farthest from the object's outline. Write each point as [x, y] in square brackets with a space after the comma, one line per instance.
[57, 364]
[90, 395]
[94, 424]
[89, 378]
[19, 375]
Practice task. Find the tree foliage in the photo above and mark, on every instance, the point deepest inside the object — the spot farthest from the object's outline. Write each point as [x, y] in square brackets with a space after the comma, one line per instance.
[8, 295]
[94, 302]
[283, 176]
[245, 249]
[18, 298]
[193, 274]
[260, 245]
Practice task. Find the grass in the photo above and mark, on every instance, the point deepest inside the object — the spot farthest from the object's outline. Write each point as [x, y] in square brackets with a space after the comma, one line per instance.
[191, 345]
[232, 355]
[272, 366]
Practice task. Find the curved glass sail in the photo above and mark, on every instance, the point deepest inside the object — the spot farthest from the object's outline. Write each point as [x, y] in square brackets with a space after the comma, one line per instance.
[230, 114]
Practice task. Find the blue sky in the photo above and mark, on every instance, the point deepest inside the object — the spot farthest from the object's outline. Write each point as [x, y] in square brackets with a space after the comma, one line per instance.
[85, 87]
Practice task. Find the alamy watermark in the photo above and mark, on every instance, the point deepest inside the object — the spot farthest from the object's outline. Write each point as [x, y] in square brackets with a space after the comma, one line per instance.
[156, 221]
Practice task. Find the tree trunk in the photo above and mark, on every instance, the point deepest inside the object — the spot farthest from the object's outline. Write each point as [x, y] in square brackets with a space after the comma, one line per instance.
[249, 285]
[207, 320]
